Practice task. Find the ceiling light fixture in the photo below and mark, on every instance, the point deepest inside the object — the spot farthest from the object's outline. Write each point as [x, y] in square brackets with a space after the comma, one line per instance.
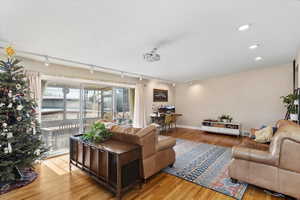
[141, 78]
[258, 58]
[174, 84]
[152, 56]
[254, 46]
[244, 27]
[47, 62]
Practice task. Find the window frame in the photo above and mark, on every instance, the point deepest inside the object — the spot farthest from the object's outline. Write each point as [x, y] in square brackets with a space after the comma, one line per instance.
[82, 88]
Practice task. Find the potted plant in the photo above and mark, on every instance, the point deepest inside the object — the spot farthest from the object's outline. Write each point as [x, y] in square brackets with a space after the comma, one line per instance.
[225, 118]
[98, 133]
[293, 112]
[291, 103]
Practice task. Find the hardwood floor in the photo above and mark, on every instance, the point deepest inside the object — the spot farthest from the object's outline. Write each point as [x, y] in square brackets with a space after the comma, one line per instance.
[56, 183]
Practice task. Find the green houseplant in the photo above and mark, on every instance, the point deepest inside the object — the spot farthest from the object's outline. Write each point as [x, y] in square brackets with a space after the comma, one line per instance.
[98, 133]
[289, 99]
[290, 102]
[225, 118]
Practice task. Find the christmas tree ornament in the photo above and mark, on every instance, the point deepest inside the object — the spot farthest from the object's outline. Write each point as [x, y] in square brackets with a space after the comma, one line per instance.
[9, 148]
[19, 107]
[19, 118]
[9, 135]
[9, 51]
[18, 86]
[10, 94]
[9, 105]
[37, 152]
[4, 125]
[2, 104]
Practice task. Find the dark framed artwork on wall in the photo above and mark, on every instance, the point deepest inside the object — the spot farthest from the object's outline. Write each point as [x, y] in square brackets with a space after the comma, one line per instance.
[160, 95]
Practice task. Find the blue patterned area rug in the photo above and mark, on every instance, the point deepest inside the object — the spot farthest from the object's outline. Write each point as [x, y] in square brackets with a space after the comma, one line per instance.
[205, 165]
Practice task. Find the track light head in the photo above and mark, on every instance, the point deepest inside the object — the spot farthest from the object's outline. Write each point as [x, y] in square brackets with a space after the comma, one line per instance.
[92, 69]
[47, 62]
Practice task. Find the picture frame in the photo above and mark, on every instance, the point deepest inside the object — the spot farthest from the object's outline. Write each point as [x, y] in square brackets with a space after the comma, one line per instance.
[160, 95]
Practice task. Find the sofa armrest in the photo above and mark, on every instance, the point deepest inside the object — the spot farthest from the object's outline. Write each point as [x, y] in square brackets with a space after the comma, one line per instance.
[254, 155]
[165, 142]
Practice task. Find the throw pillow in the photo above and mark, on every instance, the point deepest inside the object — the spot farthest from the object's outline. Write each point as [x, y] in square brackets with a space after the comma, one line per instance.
[264, 135]
[264, 126]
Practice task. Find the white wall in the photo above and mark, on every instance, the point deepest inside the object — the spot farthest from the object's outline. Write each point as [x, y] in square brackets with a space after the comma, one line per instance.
[252, 97]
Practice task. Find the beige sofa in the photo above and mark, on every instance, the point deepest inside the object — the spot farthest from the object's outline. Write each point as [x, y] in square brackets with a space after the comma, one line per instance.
[278, 168]
[157, 150]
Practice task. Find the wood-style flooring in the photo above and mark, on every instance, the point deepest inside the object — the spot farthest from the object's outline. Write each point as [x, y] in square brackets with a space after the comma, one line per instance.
[56, 183]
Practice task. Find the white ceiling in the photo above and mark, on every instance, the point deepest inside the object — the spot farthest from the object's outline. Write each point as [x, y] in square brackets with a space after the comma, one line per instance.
[196, 38]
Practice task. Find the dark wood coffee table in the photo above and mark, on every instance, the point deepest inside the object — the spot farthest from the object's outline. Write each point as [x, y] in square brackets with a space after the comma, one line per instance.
[114, 164]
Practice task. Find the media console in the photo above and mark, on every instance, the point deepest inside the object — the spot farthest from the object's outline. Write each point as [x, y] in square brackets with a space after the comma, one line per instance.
[229, 128]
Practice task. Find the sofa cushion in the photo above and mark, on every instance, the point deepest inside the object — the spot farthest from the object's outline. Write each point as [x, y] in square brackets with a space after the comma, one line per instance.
[264, 135]
[165, 142]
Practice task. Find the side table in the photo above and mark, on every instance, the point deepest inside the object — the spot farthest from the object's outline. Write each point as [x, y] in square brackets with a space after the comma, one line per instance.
[114, 164]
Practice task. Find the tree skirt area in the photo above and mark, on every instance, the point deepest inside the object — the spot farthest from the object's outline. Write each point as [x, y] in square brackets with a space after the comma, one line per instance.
[206, 165]
[28, 176]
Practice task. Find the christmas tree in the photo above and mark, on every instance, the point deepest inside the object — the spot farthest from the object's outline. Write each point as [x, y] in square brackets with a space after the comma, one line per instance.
[20, 135]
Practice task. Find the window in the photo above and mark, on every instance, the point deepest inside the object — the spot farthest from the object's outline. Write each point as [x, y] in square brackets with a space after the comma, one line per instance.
[70, 110]
[72, 100]
[122, 110]
[53, 105]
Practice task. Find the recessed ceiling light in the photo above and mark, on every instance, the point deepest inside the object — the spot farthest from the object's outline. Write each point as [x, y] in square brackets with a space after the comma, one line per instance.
[258, 58]
[244, 27]
[254, 46]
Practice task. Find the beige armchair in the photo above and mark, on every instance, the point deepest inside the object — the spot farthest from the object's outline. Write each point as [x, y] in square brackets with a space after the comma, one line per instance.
[157, 150]
[277, 169]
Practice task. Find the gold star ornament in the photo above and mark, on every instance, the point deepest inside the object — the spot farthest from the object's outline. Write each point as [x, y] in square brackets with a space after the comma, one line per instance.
[10, 51]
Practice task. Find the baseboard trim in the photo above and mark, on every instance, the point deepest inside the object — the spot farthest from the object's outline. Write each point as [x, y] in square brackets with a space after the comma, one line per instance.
[189, 127]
